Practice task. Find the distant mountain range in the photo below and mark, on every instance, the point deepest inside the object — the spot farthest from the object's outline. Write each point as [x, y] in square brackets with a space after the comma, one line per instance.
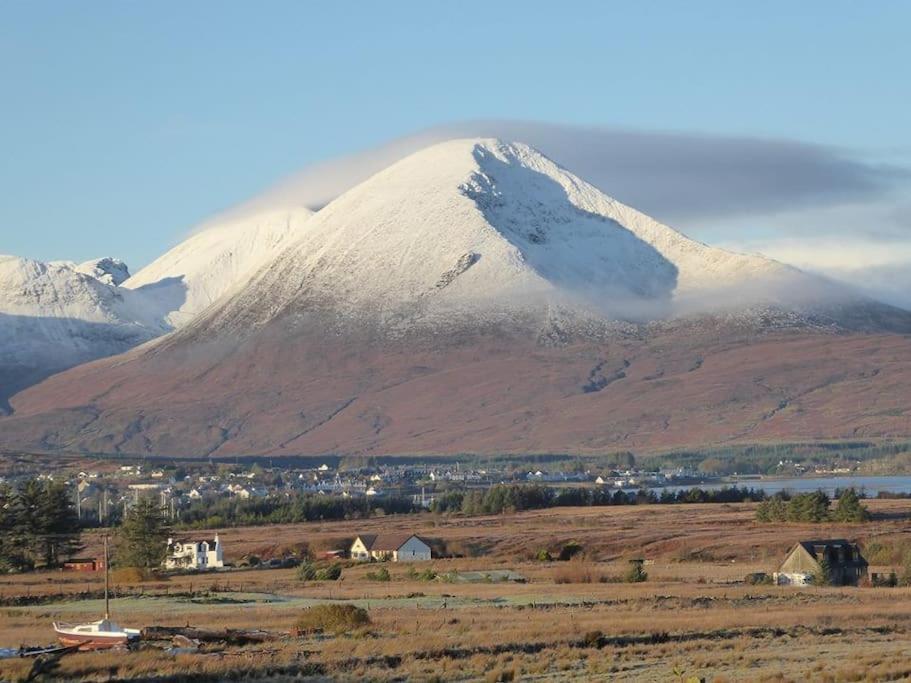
[473, 297]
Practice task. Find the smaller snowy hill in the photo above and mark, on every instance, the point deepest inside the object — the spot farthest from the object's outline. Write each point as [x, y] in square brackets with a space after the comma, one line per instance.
[56, 315]
[186, 279]
[110, 271]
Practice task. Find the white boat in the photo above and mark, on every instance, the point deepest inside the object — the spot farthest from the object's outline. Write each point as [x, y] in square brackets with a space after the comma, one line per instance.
[96, 635]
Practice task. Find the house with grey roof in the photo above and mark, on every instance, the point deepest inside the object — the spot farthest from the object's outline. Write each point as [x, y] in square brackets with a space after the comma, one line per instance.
[806, 560]
[394, 547]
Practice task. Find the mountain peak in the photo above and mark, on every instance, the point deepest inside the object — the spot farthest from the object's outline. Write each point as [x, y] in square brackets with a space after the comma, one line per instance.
[491, 231]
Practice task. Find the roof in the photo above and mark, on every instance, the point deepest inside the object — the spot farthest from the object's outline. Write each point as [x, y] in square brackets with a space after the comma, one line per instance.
[185, 541]
[816, 547]
[383, 542]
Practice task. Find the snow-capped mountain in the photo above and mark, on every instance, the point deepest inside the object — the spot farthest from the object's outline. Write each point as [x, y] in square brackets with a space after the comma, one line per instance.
[477, 297]
[484, 231]
[56, 315]
[59, 314]
[186, 279]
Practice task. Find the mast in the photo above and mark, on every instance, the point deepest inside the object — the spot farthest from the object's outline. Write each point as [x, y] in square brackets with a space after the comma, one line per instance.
[107, 578]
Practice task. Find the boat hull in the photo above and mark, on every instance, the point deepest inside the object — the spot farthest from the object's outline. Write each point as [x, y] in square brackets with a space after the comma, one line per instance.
[93, 641]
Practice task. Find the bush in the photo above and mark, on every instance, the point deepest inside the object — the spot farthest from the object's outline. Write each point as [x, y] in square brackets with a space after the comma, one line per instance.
[381, 575]
[635, 573]
[335, 619]
[758, 579]
[306, 571]
[426, 575]
[543, 556]
[592, 638]
[570, 550]
[128, 576]
[330, 573]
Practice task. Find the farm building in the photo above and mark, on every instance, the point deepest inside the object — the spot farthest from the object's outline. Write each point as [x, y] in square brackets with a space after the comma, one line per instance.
[83, 564]
[395, 547]
[207, 554]
[846, 566]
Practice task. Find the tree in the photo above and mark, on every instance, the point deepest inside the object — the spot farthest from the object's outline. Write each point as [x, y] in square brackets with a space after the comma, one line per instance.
[809, 507]
[12, 557]
[823, 577]
[58, 526]
[143, 536]
[772, 510]
[38, 524]
[850, 509]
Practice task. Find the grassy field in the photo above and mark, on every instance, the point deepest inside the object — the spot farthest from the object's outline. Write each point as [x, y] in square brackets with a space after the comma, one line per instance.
[693, 617]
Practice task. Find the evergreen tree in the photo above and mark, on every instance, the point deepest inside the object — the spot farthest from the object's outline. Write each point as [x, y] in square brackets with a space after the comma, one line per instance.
[143, 536]
[850, 509]
[823, 577]
[12, 557]
[809, 507]
[772, 510]
[58, 526]
[38, 525]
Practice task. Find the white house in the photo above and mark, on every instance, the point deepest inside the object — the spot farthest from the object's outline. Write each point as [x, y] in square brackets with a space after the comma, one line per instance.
[395, 547]
[194, 554]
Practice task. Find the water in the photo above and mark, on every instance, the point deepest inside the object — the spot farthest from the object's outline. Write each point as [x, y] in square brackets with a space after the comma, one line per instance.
[870, 485]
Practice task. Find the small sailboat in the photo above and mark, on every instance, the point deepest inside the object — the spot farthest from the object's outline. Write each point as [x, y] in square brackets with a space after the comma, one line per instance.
[96, 635]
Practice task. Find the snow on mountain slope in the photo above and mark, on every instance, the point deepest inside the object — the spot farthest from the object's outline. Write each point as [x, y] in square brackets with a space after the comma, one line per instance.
[189, 277]
[53, 316]
[481, 229]
[110, 271]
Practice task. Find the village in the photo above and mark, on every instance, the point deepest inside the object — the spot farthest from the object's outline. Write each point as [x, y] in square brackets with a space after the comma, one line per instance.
[102, 494]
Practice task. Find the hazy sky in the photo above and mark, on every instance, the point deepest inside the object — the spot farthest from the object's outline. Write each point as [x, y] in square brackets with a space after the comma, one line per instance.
[124, 124]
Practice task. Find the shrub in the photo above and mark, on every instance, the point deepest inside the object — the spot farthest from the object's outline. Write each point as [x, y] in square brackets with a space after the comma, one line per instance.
[592, 638]
[330, 573]
[426, 575]
[335, 619]
[543, 555]
[306, 571]
[381, 575]
[127, 576]
[635, 573]
[570, 550]
[758, 579]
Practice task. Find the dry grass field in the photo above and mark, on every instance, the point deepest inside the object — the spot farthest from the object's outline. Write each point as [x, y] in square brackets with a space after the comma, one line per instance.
[694, 617]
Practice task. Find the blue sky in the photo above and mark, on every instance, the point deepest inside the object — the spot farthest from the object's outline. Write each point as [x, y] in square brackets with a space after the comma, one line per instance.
[123, 124]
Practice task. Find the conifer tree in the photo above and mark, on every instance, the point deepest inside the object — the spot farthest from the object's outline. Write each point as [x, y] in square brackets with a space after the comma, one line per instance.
[143, 536]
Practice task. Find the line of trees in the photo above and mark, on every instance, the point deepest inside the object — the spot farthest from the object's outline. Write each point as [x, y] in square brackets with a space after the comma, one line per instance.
[300, 508]
[38, 525]
[514, 497]
[813, 507]
[496, 499]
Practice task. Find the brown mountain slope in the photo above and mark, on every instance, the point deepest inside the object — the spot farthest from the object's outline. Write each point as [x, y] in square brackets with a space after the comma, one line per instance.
[283, 392]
